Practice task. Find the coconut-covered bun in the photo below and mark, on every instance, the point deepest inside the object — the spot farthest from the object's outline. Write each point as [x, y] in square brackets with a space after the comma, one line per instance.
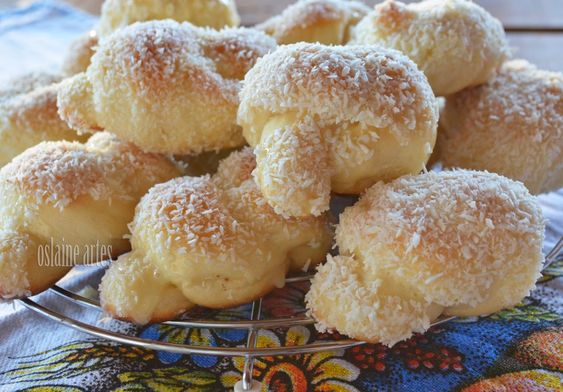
[455, 42]
[511, 125]
[120, 13]
[210, 241]
[167, 87]
[206, 13]
[79, 53]
[64, 203]
[460, 243]
[324, 21]
[28, 114]
[337, 118]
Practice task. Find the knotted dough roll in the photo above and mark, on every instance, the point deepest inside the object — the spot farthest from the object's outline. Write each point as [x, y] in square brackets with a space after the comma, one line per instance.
[166, 87]
[206, 13]
[334, 117]
[511, 125]
[455, 42]
[460, 243]
[210, 241]
[324, 21]
[28, 114]
[64, 203]
[120, 13]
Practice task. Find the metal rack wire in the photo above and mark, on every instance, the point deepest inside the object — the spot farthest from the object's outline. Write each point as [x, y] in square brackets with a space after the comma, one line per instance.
[253, 325]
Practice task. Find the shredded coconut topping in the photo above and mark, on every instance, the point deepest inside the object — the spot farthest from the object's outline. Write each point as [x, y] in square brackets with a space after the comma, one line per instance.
[216, 214]
[61, 172]
[459, 240]
[14, 252]
[458, 224]
[512, 125]
[317, 113]
[26, 84]
[216, 240]
[308, 13]
[368, 84]
[28, 114]
[165, 86]
[456, 43]
[154, 54]
[117, 14]
[187, 211]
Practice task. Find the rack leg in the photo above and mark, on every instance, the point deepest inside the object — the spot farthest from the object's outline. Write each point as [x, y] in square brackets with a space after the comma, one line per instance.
[247, 384]
[553, 254]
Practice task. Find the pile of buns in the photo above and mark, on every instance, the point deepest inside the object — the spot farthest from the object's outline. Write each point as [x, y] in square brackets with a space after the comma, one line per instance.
[205, 156]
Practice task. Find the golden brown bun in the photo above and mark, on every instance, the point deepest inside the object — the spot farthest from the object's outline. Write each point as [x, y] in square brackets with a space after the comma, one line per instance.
[462, 243]
[167, 87]
[456, 43]
[511, 125]
[337, 118]
[79, 53]
[28, 114]
[212, 239]
[211, 13]
[120, 13]
[325, 21]
[27, 83]
[70, 199]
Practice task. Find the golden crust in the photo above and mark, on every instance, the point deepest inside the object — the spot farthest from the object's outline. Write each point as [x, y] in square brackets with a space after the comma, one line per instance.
[456, 43]
[27, 83]
[28, 115]
[463, 243]
[216, 240]
[511, 125]
[120, 13]
[62, 172]
[211, 13]
[332, 117]
[55, 187]
[145, 289]
[324, 21]
[165, 86]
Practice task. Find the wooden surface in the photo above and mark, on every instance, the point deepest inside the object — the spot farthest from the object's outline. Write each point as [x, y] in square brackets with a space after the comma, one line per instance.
[535, 27]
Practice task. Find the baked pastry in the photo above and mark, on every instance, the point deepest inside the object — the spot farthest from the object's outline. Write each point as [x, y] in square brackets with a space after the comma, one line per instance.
[206, 13]
[334, 117]
[28, 114]
[210, 241]
[455, 42]
[460, 243]
[120, 13]
[511, 125]
[324, 21]
[64, 203]
[79, 53]
[27, 83]
[167, 87]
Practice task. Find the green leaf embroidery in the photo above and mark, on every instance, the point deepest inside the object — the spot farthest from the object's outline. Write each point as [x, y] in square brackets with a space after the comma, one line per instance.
[526, 312]
[175, 379]
[554, 271]
[71, 360]
[53, 388]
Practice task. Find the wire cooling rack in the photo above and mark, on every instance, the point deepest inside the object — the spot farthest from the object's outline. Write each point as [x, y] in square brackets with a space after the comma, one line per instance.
[254, 323]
